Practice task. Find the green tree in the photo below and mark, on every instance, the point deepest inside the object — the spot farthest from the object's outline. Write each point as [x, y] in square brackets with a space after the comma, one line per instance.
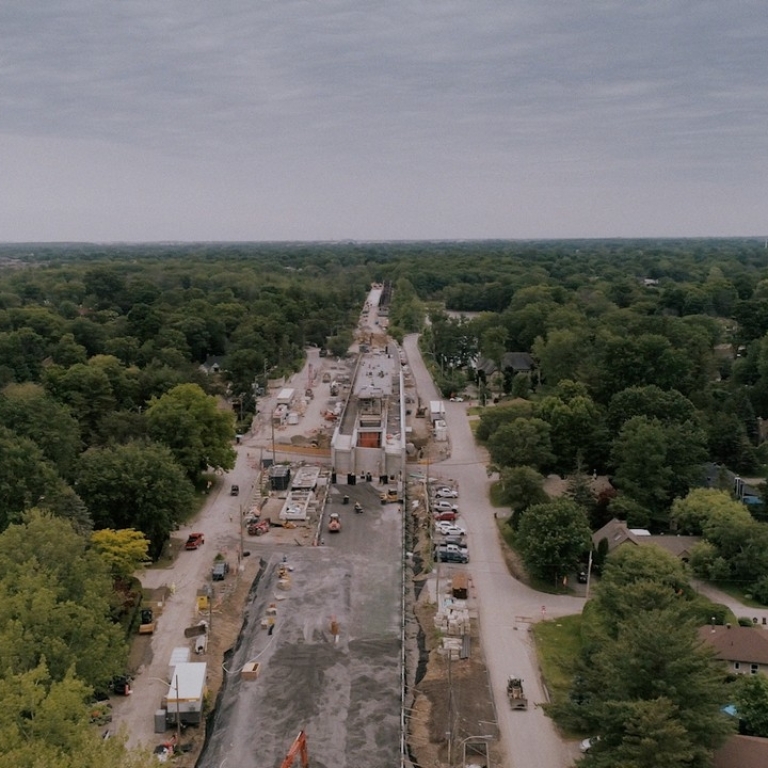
[702, 508]
[577, 430]
[30, 412]
[139, 485]
[521, 487]
[561, 355]
[46, 723]
[553, 537]
[751, 699]
[86, 389]
[637, 579]
[493, 346]
[656, 462]
[655, 694]
[493, 418]
[122, 550]
[522, 442]
[26, 478]
[191, 424]
[55, 603]
[666, 406]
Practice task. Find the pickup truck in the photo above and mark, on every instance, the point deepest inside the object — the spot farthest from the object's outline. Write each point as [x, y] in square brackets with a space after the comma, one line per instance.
[195, 541]
[451, 553]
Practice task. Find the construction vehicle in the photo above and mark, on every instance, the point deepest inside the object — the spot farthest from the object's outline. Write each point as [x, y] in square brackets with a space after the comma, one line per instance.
[258, 528]
[299, 747]
[390, 496]
[515, 693]
[147, 626]
[334, 523]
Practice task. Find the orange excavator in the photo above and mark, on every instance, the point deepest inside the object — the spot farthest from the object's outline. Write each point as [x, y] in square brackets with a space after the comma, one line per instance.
[299, 747]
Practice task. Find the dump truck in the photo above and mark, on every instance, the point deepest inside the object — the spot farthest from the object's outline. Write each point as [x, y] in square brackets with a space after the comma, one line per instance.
[515, 693]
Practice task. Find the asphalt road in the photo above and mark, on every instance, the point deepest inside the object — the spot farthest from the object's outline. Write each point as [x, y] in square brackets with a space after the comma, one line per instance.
[506, 607]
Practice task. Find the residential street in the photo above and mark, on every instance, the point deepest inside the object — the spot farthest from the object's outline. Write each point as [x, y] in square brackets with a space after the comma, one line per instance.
[506, 607]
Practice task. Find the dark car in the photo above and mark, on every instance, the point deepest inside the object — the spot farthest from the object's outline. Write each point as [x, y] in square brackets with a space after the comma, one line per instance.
[234, 490]
[582, 577]
[220, 570]
[121, 685]
[452, 557]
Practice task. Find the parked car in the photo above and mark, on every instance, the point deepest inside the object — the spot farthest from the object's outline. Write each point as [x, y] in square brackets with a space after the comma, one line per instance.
[442, 516]
[446, 493]
[444, 506]
[121, 685]
[220, 570]
[452, 555]
[582, 577]
[195, 540]
[449, 529]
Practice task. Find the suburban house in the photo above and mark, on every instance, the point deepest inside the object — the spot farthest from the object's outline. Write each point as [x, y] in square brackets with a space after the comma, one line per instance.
[512, 362]
[743, 649]
[742, 752]
[616, 532]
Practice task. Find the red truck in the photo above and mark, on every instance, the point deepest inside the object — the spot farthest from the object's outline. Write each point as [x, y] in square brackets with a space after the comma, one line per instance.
[194, 541]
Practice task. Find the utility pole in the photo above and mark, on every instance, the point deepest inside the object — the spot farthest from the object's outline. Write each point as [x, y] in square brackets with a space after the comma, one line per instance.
[272, 422]
[178, 711]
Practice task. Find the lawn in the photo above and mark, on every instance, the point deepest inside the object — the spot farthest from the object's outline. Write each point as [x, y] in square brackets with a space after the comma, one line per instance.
[558, 644]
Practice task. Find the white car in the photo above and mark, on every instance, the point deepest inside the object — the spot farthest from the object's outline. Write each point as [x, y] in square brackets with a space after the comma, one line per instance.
[448, 529]
[446, 493]
[444, 506]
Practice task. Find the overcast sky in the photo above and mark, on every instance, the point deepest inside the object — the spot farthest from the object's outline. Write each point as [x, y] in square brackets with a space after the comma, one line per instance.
[138, 120]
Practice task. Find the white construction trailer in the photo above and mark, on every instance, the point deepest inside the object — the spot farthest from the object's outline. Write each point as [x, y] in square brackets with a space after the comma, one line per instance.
[186, 692]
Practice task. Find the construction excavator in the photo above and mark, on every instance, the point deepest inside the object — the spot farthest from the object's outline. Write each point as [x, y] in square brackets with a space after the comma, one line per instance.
[299, 747]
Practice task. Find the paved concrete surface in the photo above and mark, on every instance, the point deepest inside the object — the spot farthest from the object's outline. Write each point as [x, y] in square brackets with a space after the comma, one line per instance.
[344, 690]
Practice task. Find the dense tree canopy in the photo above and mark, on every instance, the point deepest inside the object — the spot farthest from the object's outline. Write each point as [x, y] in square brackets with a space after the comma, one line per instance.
[553, 537]
[191, 424]
[138, 485]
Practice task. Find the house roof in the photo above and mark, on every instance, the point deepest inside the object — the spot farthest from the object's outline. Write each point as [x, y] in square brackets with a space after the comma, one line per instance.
[617, 533]
[742, 752]
[679, 546]
[748, 645]
[518, 362]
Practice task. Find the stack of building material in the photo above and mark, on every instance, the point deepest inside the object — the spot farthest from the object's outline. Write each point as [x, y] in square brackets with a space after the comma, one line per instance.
[453, 619]
[451, 647]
